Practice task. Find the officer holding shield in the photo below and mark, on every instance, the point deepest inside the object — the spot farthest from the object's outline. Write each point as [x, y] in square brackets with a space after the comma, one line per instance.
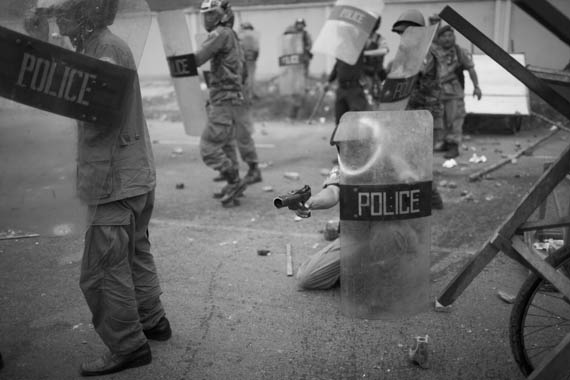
[116, 179]
[227, 100]
[426, 93]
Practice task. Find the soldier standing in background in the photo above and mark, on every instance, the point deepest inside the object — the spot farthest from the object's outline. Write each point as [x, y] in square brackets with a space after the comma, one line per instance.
[250, 44]
[455, 60]
[299, 27]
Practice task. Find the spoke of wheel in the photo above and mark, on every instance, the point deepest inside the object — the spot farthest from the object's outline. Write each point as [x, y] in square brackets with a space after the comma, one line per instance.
[548, 311]
[545, 349]
[537, 330]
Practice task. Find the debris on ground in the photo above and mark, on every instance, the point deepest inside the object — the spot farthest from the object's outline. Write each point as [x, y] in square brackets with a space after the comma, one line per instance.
[476, 159]
[62, 230]
[177, 151]
[419, 352]
[264, 165]
[332, 229]
[292, 175]
[263, 252]
[179, 185]
[508, 298]
[16, 234]
[267, 189]
[449, 163]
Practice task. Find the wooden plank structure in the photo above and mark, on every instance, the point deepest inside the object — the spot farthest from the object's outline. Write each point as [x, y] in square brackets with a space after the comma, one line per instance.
[504, 238]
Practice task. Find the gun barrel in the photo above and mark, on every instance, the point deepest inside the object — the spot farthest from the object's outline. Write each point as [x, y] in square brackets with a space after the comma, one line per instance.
[279, 202]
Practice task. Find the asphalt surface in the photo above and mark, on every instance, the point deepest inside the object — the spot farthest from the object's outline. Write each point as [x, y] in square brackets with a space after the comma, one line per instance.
[236, 314]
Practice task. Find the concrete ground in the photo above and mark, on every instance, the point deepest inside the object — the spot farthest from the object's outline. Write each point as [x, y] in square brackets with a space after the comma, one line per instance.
[236, 314]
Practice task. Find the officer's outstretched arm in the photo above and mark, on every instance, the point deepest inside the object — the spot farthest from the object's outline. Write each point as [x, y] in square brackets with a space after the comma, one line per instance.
[326, 198]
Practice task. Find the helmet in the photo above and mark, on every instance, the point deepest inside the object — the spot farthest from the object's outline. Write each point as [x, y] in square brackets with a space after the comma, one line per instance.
[300, 21]
[90, 13]
[220, 8]
[411, 17]
[246, 26]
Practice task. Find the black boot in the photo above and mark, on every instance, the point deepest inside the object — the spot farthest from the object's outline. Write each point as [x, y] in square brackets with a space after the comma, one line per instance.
[111, 363]
[234, 188]
[452, 150]
[253, 174]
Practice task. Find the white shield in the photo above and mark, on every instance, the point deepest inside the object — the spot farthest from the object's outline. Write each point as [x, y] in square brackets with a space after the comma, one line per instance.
[349, 25]
[292, 78]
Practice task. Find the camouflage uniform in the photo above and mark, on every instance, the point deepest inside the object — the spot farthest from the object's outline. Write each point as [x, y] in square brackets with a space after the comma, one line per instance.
[455, 61]
[426, 94]
[227, 100]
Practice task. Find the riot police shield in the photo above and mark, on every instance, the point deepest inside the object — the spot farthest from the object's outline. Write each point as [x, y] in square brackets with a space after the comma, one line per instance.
[414, 45]
[69, 101]
[293, 75]
[179, 51]
[385, 161]
[344, 34]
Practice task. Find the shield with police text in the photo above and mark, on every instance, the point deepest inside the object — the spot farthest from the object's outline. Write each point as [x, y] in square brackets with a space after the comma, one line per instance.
[292, 65]
[349, 25]
[70, 107]
[404, 68]
[179, 50]
[385, 162]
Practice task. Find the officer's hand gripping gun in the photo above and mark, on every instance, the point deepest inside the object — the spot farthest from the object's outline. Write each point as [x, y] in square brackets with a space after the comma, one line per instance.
[295, 200]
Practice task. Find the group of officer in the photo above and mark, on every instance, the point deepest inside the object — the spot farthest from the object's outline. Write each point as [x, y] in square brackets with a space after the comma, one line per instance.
[118, 275]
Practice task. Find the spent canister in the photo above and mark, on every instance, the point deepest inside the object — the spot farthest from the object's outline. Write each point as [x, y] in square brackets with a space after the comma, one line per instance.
[385, 160]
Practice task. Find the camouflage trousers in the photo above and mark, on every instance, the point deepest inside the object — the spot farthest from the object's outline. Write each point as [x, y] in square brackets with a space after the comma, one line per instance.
[453, 118]
[229, 126]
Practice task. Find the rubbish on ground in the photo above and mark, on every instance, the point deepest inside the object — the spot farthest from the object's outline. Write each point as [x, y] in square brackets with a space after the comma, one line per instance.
[264, 165]
[16, 234]
[442, 309]
[491, 168]
[508, 298]
[419, 352]
[477, 159]
[297, 219]
[179, 186]
[449, 163]
[289, 260]
[263, 252]
[489, 198]
[62, 230]
[178, 150]
[267, 189]
[332, 229]
[292, 175]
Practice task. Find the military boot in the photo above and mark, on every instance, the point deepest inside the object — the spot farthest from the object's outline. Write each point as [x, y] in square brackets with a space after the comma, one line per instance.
[452, 151]
[234, 188]
[253, 174]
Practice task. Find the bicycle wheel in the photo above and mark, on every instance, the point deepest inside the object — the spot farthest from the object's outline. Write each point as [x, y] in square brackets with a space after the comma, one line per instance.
[540, 317]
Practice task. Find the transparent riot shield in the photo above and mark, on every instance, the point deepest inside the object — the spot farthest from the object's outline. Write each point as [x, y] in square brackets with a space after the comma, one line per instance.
[68, 108]
[385, 161]
[414, 45]
[293, 75]
[349, 25]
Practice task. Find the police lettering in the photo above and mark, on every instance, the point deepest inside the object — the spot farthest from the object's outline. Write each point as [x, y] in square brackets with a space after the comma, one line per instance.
[288, 60]
[386, 203]
[352, 14]
[55, 79]
[180, 67]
